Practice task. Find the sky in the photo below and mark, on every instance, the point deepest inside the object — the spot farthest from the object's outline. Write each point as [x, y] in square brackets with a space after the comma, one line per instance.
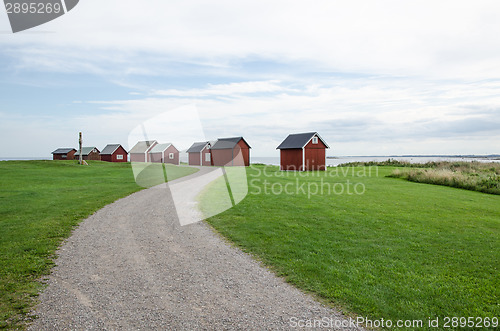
[372, 77]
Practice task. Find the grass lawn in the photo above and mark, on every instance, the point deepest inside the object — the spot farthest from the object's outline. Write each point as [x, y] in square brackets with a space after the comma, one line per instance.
[400, 250]
[40, 203]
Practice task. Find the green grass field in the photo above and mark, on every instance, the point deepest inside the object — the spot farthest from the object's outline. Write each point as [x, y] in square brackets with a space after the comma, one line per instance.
[400, 250]
[40, 203]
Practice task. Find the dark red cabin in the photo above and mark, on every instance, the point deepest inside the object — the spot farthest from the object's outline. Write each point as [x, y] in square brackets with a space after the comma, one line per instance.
[199, 154]
[88, 153]
[114, 153]
[231, 152]
[140, 152]
[164, 153]
[303, 152]
[63, 154]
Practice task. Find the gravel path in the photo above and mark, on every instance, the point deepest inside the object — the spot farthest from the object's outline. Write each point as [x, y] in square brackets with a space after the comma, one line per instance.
[132, 266]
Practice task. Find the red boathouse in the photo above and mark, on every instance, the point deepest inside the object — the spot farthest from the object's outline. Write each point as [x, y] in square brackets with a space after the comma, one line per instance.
[140, 152]
[63, 154]
[114, 153]
[303, 152]
[199, 154]
[231, 152]
[164, 153]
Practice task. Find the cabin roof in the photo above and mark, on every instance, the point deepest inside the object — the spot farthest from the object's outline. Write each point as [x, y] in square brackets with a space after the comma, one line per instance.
[197, 147]
[110, 149]
[63, 150]
[299, 140]
[160, 148]
[228, 143]
[86, 150]
[142, 146]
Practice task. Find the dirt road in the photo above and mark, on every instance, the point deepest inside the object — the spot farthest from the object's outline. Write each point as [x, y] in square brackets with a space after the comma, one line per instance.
[132, 266]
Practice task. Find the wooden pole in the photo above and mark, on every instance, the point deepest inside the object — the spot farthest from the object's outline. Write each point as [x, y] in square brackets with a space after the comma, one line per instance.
[80, 156]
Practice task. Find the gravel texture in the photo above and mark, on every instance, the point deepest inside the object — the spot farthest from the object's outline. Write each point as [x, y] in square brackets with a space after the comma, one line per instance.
[131, 266]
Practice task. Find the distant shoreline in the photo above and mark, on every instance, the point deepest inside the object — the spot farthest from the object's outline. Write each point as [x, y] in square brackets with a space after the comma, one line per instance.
[332, 161]
[491, 156]
[20, 158]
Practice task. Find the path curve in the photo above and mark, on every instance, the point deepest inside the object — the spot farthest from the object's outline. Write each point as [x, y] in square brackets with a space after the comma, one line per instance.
[132, 266]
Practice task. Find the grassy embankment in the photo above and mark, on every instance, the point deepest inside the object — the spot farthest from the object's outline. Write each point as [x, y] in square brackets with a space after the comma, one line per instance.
[400, 250]
[40, 203]
[474, 176]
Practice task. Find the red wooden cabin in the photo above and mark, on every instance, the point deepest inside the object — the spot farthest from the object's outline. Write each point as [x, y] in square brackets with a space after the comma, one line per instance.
[199, 154]
[303, 152]
[88, 153]
[63, 154]
[231, 152]
[114, 153]
[140, 152]
[164, 153]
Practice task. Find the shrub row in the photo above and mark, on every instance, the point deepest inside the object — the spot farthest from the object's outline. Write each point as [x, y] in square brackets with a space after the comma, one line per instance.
[475, 177]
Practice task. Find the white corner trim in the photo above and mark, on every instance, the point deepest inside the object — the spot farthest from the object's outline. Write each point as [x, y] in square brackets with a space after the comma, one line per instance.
[303, 159]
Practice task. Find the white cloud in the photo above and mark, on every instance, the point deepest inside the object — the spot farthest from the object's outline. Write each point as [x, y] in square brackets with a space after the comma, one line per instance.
[230, 89]
[424, 38]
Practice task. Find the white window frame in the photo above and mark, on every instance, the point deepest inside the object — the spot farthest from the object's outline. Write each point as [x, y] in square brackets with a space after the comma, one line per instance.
[207, 157]
[119, 157]
[171, 156]
[315, 140]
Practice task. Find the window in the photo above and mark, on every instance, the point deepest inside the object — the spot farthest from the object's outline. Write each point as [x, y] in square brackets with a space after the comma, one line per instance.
[207, 157]
[171, 156]
[64, 156]
[119, 157]
[315, 140]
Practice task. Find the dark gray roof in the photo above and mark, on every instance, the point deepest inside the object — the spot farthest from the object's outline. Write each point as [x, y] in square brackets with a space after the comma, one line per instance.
[142, 146]
[228, 143]
[110, 149]
[299, 140]
[63, 150]
[86, 151]
[197, 147]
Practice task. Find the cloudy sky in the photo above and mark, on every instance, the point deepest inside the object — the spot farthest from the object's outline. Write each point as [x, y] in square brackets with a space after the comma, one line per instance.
[372, 77]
